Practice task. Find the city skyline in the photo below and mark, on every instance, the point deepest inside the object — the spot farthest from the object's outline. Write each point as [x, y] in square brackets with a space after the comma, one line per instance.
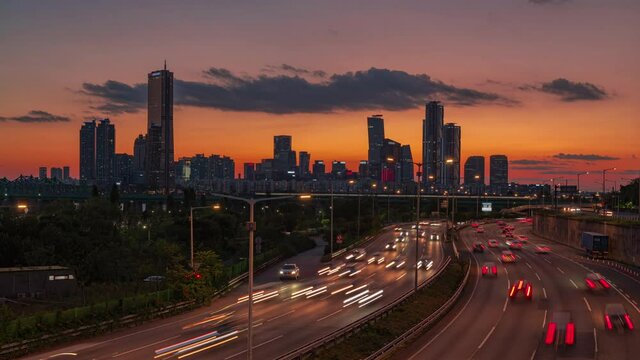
[540, 116]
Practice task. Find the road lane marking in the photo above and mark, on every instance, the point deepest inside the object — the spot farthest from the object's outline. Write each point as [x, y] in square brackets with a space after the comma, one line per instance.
[333, 313]
[506, 271]
[508, 284]
[538, 276]
[279, 316]
[595, 340]
[544, 291]
[486, 337]
[534, 354]
[529, 265]
[547, 260]
[506, 301]
[244, 351]
[401, 276]
[544, 319]
[559, 269]
[587, 303]
[146, 346]
[574, 284]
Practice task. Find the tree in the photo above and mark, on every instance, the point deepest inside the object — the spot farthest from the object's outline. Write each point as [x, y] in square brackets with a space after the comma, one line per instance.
[94, 191]
[115, 194]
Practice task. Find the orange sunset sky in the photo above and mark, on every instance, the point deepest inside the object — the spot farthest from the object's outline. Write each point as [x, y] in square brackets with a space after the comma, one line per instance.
[554, 85]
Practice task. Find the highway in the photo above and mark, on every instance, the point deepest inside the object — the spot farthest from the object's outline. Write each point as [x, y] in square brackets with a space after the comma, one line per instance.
[486, 324]
[287, 314]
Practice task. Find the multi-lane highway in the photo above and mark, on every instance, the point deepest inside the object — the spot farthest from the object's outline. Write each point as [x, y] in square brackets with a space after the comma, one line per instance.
[487, 324]
[287, 314]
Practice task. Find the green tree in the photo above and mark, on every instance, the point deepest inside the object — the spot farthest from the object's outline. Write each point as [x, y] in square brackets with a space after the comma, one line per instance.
[115, 194]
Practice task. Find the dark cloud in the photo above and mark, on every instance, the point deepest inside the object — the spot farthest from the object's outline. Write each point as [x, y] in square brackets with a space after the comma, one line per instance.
[569, 91]
[381, 89]
[36, 116]
[529, 162]
[117, 97]
[586, 157]
[628, 172]
[286, 68]
[536, 167]
[543, 2]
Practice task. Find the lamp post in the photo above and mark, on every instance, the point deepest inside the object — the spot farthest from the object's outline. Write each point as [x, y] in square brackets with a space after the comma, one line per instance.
[555, 192]
[148, 228]
[213, 207]
[604, 182]
[419, 173]
[331, 231]
[578, 189]
[477, 177]
[251, 226]
[351, 182]
[374, 188]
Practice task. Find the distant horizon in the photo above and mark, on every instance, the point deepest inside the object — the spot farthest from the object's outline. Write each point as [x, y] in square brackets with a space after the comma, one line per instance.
[548, 99]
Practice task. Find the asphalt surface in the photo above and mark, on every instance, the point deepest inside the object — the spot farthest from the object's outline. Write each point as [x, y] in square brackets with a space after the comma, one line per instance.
[285, 316]
[486, 324]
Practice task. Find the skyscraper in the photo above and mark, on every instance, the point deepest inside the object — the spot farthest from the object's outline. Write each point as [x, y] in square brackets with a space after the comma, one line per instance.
[474, 167]
[105, 152]
[498, 172]
[319, 169]
[406, 164]
[375, 127]
[338, 170]
[65, 173]
[123, 169]
[88, 152]
[450, 172]
[249, 171]
[282, 155]
[391, 161]
[160, 155]
[431, 142]
[305, 159]
[139, 159]
[56, 173]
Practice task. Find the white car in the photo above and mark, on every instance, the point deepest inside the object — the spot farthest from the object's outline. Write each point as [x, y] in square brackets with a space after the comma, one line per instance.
[289, 271]
[425, 263]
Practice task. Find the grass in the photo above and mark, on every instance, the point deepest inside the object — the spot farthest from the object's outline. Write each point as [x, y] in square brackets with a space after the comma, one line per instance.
[402, 318]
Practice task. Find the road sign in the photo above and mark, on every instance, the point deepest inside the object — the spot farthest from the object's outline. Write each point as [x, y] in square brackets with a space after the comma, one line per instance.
[339, 239]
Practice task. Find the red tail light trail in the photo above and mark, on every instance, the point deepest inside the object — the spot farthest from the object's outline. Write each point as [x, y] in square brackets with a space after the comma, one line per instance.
[551, 334]
[570, 336]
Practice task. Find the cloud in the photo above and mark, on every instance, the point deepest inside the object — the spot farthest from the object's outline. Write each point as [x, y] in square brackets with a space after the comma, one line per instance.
[380, 89]
[36, 116]
[529, 162]
[544, 2]
[286, 68]
[536, 167]
[628, 172]
[569, 91]
[585, 157]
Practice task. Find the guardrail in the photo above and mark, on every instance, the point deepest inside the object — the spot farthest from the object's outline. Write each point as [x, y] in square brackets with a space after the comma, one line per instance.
[17, 348]
[353, 327]
[418, 328]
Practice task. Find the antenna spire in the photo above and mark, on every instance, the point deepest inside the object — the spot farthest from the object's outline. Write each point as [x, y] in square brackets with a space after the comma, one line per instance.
[165, 64]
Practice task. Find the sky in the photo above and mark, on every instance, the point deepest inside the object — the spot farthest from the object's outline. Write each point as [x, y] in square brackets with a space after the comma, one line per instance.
[554, 85]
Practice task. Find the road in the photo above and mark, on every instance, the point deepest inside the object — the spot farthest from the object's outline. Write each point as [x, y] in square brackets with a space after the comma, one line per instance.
[485, 324]
[287, 314]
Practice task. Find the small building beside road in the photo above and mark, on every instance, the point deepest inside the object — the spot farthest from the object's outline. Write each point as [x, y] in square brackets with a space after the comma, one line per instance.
[37, 282]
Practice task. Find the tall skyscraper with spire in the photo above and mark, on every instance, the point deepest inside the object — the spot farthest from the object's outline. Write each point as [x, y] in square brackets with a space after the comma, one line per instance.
[160, 172]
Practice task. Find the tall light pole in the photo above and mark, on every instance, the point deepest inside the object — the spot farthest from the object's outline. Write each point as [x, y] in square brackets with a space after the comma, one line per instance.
[251, 226]
[331, 231]
[555, 192]
[213, 207]
[419, 173]
[477, 177]
[578, 189]
[351, 182]
[604, 182]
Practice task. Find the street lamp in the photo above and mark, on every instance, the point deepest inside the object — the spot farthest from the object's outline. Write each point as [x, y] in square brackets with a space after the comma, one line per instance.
[604, 182]
[419, 174]
[148, 228]
[213, 207]
[477, 178]
[351, 182]
[555, 192]
[251, 226]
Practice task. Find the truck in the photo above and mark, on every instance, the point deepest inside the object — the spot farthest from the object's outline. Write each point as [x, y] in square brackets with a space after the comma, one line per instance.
[595, 244]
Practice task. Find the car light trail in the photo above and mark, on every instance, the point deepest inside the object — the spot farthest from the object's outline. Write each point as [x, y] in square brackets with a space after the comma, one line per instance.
[228, 337]
[324, 270]
[268, 296]
[371, 298]
[207, 320]
[179, 345]
[390, 264]
[301, 292]
[316, 292]
[342, 289]
[355, 298]
[256, 294]
[356, 289]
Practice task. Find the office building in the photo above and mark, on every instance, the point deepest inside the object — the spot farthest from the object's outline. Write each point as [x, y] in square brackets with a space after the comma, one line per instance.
[375, 130]
[56, 173]
[105, 152]
[139, 158]
[391, 161]
[339, 170]
[65, 173]
[303, 165]
[249, 171]
[160, 172]
[498, 173]
[406, 164]
[431, 142]
[474, 174]
[42, 173]
[319, 169]
[283, 157]
[450, 171]
[363, 169]
[87, 164]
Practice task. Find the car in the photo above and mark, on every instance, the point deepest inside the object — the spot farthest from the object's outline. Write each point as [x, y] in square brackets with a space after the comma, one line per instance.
[396, 263]
[289, 271]
[507, 257]
[397, 239]
[474, 225]
[356, 255]
[489, 269]
[351, 270]
[561, 330]
[514, 244]
[596, 282]
[521, 287]
[425, 263]
[615, 316]
[478, 246]
[480, 230]
[542, 249]
[376, 258]
[493, 243]
[391, 246]
[522, 238]
[434, 237]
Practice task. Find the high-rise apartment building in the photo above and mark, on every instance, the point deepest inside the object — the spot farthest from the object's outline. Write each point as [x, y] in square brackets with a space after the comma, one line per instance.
[123, 169]
[474, 174]
[319, 169]
[249, 171]
[42, 173]
[431, 142]
[160, 172]
[375, 130]
[450, 171]
[339, 170]
[65, 173]
[498, 172]
[303, 165]
[406, 164]
[88, 152]
[105, 152]
[56, 173]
